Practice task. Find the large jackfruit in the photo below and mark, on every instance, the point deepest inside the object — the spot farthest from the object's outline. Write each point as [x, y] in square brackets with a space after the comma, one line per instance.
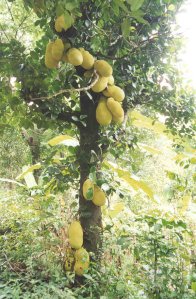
[115, 108]
[57, 49]
[50, 62]
[88, 189]
[103, 115]
[115, 92]
[103, 68]
[99, 197]
[74, 56]
[100, 85]
[75, 234]
[88, 60]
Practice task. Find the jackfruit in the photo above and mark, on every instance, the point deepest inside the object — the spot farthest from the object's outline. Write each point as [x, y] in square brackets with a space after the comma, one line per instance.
[115, 92]
[115, 108]
[100, 85]
[57, 49]
[88, 59]
[62, 23]
[67, 46]
[99, 198]
[111, 80]
[50, 62]
[74, 56]
[82, 256]
[103, 115]
[103, 68]
[80, 268]
[88, 189]
[75, 234]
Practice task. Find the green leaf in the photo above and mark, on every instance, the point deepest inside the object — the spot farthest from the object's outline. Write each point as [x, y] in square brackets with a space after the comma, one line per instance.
[135, 4]
[63, 139]
[11, 181]
[193, 286]
[125, 27]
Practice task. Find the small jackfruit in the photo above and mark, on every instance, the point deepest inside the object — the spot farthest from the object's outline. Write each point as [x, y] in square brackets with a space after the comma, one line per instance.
[111, 80]
[50, 62]
[62, 23]
[100, 85]
[74, 56]
[80, 268]
[67, 46]
[82, 256]
[88, 59]
[115, 92]
[75, 234]
[103, 68]
[57, 49]
[87, 189]
[115, 108]
[99, 198]
[103, 115]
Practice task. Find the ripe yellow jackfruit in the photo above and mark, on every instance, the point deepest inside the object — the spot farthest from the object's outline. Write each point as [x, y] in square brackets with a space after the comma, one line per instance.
[115, 108]
[88, 59]
[111, 80]
[88, 186]
[75, 234]
[80, 268]
[103, 115]
[103, 68]
[63, 23]
[99, 198]
[100, 85]
[57, 49]
[50, 62]
[74, 56]
[115, 92]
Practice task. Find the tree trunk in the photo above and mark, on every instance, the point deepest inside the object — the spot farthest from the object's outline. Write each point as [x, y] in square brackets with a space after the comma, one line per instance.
[90, 214]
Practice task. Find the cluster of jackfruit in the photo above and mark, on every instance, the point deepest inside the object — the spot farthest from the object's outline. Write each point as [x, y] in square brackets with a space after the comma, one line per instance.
[109, 108]
[92, 192]
[80, 258]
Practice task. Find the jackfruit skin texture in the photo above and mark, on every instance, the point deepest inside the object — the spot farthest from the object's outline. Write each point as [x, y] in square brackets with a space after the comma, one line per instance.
[103, 68]
[100, 85]
[111, 80]
[74, 56]
[88, 60]
[75, 234]
[117, 120]
[99, 198]
[57, 49]
[115, 92]
[80, 268]
[50, 62]
[115, 108]
[88, 184]
[103, 115]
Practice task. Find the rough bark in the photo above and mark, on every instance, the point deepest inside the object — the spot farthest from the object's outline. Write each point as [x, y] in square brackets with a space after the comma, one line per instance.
[90, 214]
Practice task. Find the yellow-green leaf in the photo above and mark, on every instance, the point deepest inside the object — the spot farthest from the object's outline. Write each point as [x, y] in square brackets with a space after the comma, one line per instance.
[116, 209]
[63, 139]
[149, 149]
[28, 169]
